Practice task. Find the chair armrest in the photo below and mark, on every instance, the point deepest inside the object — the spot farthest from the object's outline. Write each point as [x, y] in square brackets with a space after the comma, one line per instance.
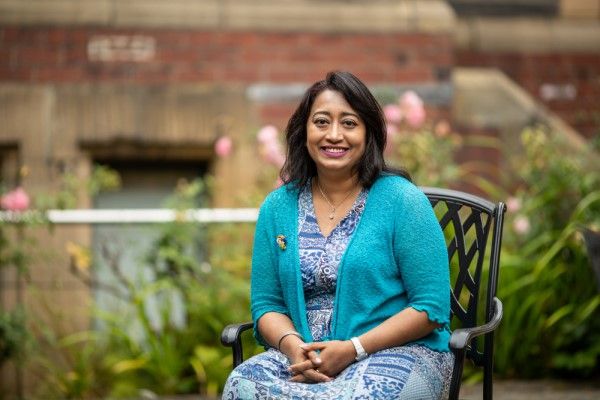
[462, 337]
[231, 333]
[231, 337]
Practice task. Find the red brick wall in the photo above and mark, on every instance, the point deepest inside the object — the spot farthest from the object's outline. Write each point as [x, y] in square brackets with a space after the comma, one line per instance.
[53, 54]
[579, 107]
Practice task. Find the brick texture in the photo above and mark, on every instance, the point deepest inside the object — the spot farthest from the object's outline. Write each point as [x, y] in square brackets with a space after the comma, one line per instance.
[36, 54]
[577, 75]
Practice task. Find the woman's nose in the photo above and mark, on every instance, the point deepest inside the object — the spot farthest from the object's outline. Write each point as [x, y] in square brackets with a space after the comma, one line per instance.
[335, 132]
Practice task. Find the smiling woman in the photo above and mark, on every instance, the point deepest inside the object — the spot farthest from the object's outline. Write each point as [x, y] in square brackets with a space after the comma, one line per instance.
[335, 135]
[335, 140]
[356, 302]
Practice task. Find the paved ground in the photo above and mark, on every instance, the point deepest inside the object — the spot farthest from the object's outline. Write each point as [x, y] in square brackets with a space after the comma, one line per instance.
[533, 390]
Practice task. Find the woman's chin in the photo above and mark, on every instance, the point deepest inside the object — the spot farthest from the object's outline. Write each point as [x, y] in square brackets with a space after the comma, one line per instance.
[335, 167]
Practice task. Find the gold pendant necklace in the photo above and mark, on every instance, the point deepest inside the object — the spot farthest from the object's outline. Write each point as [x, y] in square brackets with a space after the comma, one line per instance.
[332, 207]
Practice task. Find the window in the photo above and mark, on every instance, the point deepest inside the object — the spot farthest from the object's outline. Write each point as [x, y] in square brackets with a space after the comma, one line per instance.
[121, 251]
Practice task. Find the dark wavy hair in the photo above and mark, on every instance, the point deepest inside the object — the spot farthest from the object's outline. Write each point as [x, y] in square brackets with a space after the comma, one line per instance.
[299, 167]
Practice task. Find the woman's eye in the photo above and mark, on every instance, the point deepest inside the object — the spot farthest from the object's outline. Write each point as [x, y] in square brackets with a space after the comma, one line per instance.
[320, 121]
[349, 123]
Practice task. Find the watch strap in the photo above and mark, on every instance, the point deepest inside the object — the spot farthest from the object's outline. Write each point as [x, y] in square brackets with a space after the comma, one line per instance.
[361, 354]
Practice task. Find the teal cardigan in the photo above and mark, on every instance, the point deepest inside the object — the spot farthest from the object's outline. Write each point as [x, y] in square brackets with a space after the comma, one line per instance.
[396, 258]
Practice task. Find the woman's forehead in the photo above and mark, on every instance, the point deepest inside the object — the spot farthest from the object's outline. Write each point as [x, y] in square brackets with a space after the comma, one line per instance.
[331, 100]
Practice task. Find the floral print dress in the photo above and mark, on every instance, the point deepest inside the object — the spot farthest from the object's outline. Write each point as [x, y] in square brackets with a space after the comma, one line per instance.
[405, 372]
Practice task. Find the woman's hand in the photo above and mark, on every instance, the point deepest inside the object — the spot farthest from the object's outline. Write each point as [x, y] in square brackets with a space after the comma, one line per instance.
[332, 357]
[305, 367]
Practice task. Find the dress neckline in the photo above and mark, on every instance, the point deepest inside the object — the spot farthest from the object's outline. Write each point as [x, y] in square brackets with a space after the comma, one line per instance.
[312, 212]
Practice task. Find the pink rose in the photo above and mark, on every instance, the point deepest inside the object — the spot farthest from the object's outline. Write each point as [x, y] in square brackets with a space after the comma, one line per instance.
[270, 148]
[15, 200]
[223, 146]
[521, 225]
[513, 204]
[267, 134]
[273, 154]
[412, 108]
[393, 113]
[410, 99]
[415, 117]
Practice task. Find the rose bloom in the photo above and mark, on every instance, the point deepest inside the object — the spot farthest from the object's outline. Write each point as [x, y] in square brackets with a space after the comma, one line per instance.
[15, 200]
[392, 113]
[223, 146]
[272, 153]
[513, 204]
[412, 109]
[521, 225]
[267, 134]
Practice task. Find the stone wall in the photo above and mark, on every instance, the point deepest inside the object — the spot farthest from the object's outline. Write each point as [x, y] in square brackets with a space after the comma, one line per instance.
[568, 84]
[556, 60]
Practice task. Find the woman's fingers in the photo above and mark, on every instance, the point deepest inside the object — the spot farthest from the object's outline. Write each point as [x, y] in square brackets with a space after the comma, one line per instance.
[300, 367]
[315, 376]
[315, 346]
[299, 379]
[313, 356]
[310, 375]
[308, 370]
[312, 352]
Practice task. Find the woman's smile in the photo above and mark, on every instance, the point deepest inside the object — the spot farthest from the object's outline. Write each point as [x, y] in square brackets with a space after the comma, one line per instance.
[335, 152]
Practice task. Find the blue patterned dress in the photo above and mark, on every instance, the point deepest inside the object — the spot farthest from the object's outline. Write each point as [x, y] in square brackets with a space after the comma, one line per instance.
[406, 372]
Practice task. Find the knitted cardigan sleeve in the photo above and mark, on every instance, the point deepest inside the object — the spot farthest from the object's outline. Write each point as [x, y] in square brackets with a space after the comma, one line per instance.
[421, 255]
[265, 290]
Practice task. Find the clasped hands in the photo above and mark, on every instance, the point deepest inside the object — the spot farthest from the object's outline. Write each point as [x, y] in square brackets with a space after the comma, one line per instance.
[321, 361]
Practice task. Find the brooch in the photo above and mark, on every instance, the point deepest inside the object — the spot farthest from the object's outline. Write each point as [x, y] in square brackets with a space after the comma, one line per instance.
[281, 242]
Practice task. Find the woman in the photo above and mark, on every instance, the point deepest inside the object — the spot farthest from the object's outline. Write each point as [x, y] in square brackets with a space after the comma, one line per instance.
[350, 282]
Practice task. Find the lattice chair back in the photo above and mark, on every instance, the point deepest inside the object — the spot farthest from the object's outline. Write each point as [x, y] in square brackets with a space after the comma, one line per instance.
[468, 223]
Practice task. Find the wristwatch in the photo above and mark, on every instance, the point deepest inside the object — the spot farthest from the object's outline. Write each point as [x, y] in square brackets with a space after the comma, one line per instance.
[361, 354]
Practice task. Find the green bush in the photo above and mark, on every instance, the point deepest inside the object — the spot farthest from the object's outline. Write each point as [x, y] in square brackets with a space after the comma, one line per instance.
[205, 269]
[551, 324]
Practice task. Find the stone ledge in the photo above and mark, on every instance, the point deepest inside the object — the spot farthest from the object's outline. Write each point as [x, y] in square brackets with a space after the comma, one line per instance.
[429, 16]
[434, 94]
[487, 98]
[527, 35]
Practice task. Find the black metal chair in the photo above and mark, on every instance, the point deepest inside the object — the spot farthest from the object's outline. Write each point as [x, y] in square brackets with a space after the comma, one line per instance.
[467, 221]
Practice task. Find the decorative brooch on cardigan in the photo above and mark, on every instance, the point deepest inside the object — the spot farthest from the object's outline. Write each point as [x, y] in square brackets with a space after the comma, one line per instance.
[281, 242]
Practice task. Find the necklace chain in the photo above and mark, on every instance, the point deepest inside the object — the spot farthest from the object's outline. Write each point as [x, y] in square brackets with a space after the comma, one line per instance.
[332, 207]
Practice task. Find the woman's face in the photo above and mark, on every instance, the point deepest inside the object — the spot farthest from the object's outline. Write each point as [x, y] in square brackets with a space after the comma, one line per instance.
[335, 134]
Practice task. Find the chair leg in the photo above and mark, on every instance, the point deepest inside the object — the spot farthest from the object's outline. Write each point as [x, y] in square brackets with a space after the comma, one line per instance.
[488, 367]
[459, 360]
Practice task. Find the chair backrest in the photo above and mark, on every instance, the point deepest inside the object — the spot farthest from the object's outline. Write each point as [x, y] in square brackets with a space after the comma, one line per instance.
[467, 222]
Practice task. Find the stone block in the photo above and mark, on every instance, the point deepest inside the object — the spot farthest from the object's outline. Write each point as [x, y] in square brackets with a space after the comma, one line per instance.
[432, 16]
[587, 9]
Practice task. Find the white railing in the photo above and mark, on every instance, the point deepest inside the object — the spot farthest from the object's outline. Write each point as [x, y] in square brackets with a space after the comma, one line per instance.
[134, 216]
